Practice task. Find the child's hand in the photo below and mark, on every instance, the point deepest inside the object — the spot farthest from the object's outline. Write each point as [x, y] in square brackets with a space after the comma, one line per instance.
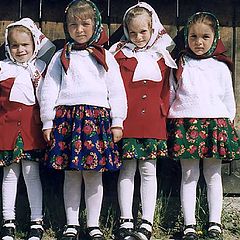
[46, 134]
[117, 133]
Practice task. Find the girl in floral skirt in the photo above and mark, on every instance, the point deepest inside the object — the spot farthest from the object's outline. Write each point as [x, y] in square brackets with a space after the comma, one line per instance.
[83, 108]
[201, 119]
[145, 62]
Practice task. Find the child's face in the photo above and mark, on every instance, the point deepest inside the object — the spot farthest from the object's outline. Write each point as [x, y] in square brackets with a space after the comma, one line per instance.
[139, 30]
[200, 38]
[80, 30]
[21, 45]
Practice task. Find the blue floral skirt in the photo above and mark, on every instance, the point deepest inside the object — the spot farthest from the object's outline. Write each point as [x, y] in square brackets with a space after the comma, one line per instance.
[191, 138]
[82, 140]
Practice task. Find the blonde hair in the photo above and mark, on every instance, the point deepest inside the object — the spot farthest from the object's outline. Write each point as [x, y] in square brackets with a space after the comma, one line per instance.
[19, 29]
[138, 11]
[80, 9]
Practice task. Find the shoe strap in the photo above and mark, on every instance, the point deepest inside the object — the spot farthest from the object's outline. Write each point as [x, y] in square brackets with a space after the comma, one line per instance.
[189, 229]
[144, 221]
[125, 220]
[215, 226]
[94, 232]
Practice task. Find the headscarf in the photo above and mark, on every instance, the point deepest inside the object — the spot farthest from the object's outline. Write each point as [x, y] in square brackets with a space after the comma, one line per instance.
[158, 46]
[28, 74]
[216, 51]
[93, 46]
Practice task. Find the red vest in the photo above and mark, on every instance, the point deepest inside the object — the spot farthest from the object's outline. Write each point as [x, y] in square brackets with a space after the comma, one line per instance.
[18, 118]
[148, 101]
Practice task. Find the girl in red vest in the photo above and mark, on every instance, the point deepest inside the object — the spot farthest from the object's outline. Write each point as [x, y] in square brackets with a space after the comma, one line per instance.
[21, 143]
[201, 119]
[144, 60]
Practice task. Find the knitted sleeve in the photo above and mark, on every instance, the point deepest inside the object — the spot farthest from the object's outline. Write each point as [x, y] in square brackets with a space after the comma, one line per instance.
[116, 92]
[229, 99]
[50, 90]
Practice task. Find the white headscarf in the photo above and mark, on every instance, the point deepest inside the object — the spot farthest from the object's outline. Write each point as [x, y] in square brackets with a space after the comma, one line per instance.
[158, 46]
[28, 73]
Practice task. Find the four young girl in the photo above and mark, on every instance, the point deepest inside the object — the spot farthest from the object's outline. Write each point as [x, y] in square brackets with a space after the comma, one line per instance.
[201, 119]
[21, 143]
[83, 106]
[84, 114]
[145, 63]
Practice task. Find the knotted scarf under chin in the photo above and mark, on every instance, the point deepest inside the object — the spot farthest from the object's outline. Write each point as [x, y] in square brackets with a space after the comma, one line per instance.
[217, 54]
[95, 49]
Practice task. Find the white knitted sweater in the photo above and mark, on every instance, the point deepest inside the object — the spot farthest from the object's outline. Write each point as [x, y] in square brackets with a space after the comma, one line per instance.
[205, 91]
[86, 82]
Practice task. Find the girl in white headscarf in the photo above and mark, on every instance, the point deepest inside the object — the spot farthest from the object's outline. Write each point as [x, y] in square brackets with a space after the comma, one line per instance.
[22, 145]
[145, 62]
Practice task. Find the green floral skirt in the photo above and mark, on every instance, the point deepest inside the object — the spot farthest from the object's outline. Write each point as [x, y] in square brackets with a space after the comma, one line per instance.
[143, 148]
[191, 138]
[18, 154]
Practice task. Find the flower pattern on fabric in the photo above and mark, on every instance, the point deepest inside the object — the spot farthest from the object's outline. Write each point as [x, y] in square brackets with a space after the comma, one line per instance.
[143, 149]
[82, 140]
[18, 154]
[192, 138]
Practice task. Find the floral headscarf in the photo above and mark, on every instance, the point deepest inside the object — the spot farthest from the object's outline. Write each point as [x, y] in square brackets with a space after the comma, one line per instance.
[94, 45]
[216, 51]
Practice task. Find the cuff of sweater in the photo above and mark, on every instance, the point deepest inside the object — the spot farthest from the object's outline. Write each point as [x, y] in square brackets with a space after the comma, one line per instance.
[47, 125]
[117, 122]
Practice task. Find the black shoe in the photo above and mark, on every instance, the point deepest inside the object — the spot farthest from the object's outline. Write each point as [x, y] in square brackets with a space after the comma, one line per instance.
[124, 233]
[36, 230]
[142, 231]
[215, 231]
[189, 233]
[8, 229]
[94, 233]
[70, 232]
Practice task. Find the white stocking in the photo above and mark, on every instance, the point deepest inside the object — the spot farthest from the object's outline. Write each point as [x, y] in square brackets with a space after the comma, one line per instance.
[72, 196]
[148, 190]
[126, 188]
[32, 180]
[9, 190]
[93, 196]
[212, 175]
[190, 176]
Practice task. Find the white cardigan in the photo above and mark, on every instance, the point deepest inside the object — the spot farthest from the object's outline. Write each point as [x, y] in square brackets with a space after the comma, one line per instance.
[205, 91]
[86, 82]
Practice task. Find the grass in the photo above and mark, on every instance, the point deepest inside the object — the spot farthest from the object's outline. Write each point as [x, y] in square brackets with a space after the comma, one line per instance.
[168, 219]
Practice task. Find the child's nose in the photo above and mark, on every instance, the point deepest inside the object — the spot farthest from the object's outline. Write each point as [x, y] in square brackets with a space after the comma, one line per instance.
[79, 28]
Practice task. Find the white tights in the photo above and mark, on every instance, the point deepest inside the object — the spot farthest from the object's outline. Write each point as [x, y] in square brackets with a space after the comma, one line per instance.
[31, 177]
[190, 176]
[148, 189]
[93, 196]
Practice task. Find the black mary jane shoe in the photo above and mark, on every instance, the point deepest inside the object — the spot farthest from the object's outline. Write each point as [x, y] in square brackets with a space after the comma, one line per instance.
[71, 232]
[124, 233]
[143, 231]
[215, 231]
[189, 233]
[36, 230]
[8, 231]
[94, 233]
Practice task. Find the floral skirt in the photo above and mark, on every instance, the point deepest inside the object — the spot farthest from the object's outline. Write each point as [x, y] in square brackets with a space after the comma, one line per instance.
[191, 138]
[82, 140]
[18, 154]
[143, 148]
